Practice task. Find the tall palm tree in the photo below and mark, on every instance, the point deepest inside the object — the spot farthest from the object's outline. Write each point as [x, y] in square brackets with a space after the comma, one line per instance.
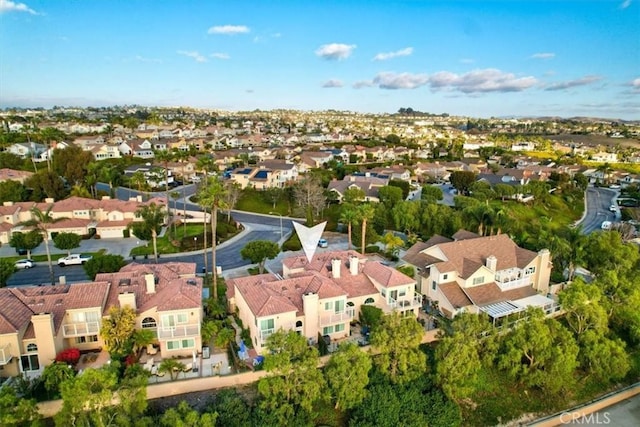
[349, 215]
[183, 157]
[154, 217]
[365, 213]
[211, 196]
[165, 156]
[42, 221]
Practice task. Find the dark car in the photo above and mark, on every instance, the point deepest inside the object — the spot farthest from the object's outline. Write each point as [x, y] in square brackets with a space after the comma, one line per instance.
[21, 251]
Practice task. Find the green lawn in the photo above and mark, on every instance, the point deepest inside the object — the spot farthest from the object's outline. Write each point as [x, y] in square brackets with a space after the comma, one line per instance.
[171, 244]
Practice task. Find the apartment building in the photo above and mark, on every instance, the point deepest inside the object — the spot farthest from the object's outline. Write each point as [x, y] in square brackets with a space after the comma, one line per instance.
[319, 297]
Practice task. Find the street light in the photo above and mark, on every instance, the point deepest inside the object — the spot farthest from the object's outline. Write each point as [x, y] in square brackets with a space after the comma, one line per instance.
[280, 215]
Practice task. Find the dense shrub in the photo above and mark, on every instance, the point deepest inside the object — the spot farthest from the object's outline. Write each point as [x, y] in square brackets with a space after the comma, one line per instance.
[292, 243]
[70, 356]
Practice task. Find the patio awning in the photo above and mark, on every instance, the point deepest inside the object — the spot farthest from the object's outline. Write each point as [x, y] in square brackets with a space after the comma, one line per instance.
[501, 309]
[534, 301]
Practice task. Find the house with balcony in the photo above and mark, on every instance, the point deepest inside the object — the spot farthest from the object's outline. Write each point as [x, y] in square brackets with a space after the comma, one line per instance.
[367, 183]
[319, 297]
[38, 322]
[476, 274]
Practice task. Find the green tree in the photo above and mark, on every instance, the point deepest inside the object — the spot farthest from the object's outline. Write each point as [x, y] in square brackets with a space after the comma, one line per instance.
[348, 215]
[140, 339]
[117, 331]
[28, 241]
[185, 416]
[164, 157]
[41, 221]
[209, 329]
[224, 337]
[46, 184]
[12, 191]
[370, 316]
[406, 216]
[541, 353]
[462, 180]
[67, 241]
[71, 163]
[294, 382]
[392, 243]
[16, 411]
[605, 359]
[584, 307]
[211, 196]
[365, 213]
[347, 374]
[431, 193]
[389, 196]
[173, 367]
[232, 410]
[7, 268]
[396, 339]
[107, 263]
[139, 181]
[55, 374]
[403, 185]
[153, 217]
[504, 191]
[353, 195]
[258, 251]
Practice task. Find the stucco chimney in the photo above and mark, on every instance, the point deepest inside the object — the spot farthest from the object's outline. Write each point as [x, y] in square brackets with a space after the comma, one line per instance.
[492, 262]
[150, 281]
[354, 262]
[127, 299]
[335, 268]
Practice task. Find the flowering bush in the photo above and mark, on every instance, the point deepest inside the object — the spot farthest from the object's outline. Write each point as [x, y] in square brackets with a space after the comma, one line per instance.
[70, 356]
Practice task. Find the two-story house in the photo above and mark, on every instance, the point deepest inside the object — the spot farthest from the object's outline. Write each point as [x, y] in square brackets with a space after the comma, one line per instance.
[481, 274]
[319, 297]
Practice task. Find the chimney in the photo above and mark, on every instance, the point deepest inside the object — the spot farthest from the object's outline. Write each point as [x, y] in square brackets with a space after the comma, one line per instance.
[127, 299]
[150, 281]
[62, 280]
[354, 261]
[492, 262]
[49, 200]
[7, 203]
[335, 268]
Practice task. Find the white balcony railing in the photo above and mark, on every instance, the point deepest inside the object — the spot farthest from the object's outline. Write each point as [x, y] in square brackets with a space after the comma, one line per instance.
[506, 283]
[178, 331]
[340, 317]
[405, 303]
[80, 329]
[5, 354]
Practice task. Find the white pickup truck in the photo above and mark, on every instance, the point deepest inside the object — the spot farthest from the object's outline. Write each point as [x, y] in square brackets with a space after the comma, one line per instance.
[73, 259]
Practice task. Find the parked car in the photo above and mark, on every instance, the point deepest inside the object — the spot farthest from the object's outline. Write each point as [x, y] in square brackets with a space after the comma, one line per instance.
[73, 259]
[606, 225]
[23, 264]
[21, 251]
[322, 243]
[613, 208]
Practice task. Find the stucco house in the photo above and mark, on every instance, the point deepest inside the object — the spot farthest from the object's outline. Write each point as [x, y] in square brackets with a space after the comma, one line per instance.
[37, 322]
[319, 297]
[475, 274]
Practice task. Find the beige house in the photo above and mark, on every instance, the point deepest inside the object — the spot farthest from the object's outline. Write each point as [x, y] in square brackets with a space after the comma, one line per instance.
[37, 322]
[488, 274]
[320, 297]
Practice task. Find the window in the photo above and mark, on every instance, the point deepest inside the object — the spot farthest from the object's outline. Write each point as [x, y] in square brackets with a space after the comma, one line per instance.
[402, 292]
[350, 304]
[86, 339]
[178, 344]
[267, 324]
[339, 306]
[327, 330]
[383, 292]
[369, 301]
[170, 320]
[328, 306]
[149, 323]
[86, 316]
[32, 348]
[30, 362]
[530, 270]
[340, 327]
[433, 285]
[445, 276]
[478, 280]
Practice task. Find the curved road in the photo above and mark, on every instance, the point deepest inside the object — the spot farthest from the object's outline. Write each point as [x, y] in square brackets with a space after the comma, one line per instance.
[597, 208]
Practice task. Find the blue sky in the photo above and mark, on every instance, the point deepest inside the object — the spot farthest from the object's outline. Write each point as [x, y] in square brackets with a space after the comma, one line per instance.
[478, 58]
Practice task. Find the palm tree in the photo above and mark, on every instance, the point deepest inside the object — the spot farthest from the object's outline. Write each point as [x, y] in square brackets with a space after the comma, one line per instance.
[183, 157]
[41, 221]
[211, 196]
[173, 367]
[349, 215]
[165, 157]
[154, 217]
[365, 213]
[605, 168]
[139, 180]
[141, 339]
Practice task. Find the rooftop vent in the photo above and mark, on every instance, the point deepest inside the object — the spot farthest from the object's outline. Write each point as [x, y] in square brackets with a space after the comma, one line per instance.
[191, 282]
[124, 282]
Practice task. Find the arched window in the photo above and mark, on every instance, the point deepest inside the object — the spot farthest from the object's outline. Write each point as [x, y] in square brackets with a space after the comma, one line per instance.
[32, 348]
[369, 301]
[299, 324]
[149, 323]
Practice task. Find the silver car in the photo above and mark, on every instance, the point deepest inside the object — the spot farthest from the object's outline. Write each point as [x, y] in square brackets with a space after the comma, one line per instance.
[24, 264]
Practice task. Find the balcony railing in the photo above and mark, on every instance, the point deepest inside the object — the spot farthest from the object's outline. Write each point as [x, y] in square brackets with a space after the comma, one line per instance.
[178, 331]
[340, 317]
[5, 354]
[506, 283]
[405, 303]
[80, 329]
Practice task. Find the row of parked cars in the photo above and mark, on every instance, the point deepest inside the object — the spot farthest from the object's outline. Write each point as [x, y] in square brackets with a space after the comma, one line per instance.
[73, 259]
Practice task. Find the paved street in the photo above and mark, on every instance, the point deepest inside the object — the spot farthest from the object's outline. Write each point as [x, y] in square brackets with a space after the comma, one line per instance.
[597, 208]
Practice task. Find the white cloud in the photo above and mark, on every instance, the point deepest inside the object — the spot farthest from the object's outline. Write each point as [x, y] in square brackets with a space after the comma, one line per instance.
[586, 80]
[389, 80]
[635, 85]
[363, 83]
[193, 54]
[141, 58]
[228, 29]
[335, 51]
[219, 55]
[480, 81]
[389, 55]
[9, 6]
[543, 55]
[625, 4]
[332, 83]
